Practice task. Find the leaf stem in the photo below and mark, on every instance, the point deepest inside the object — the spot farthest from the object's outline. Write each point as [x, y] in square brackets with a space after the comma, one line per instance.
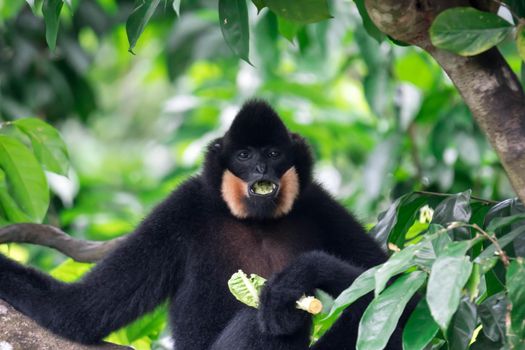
[503, 256]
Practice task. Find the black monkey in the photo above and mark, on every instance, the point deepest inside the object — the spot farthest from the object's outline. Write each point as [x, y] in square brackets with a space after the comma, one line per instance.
[255, 208]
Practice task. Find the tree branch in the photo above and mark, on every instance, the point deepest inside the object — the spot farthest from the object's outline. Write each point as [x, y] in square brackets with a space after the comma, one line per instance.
[18, 332]
[52, 237]
[486, 82]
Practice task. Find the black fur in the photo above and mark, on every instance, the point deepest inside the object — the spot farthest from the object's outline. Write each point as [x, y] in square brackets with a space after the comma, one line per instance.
[188, 247]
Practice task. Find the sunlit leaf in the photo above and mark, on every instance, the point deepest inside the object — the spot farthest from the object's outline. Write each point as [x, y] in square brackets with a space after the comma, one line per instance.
[70, 270]
[397, 263]
[176, 7]
[25, 178]
[420, 328]
[305, 11]
[362, 285]
[48, 146]
[381, 316]
[447, 278]
[138, 20]
[8, 207]
[233, 17]
[51, 10]
[468, 31]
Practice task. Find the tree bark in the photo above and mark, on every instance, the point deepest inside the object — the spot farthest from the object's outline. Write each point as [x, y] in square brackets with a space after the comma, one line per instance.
[487, 84]
[49, 236]
[18, 332]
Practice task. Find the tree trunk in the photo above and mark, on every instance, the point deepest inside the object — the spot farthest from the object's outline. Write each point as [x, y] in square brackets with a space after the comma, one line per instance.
[18, 332]
[487, 84]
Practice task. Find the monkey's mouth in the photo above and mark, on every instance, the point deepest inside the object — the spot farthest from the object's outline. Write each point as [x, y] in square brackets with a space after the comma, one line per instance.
[263, 188]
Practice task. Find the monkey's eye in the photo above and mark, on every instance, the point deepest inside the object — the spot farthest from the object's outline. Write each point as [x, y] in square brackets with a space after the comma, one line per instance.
[274, 154]
[244, 154]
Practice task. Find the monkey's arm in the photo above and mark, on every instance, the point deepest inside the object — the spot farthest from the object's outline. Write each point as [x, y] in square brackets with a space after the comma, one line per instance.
[131, 281]
[343, 235]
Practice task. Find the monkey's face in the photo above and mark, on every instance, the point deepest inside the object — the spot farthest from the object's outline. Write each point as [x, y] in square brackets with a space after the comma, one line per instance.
[260, 182]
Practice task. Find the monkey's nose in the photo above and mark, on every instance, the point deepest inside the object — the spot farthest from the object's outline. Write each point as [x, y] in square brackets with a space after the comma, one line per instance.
[260, 168]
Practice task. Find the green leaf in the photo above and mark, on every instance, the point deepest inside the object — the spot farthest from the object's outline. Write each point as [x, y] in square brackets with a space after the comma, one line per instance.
[260, 4]
[246, 289]
[381, 316]
[447, 278]
[176, 7]
[70, 270]
[233, 17]
[518, 6]
[305, 11]
[498, 223]
[420, 328]
[370, 27]
[398, 262]
[362, 285]
[51, 10]
[467, 31]
[502, 241]
[454, 208]
[288, 29]
[516, 293]
[35, 5]
[386, 222]
[25, 178]
[138, 20]
[492, 314]
[462, 326]
[48, 146]
[520, 40]
[8, 206]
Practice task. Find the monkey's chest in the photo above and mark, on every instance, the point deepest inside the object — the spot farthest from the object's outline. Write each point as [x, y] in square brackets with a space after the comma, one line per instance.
[265, 249]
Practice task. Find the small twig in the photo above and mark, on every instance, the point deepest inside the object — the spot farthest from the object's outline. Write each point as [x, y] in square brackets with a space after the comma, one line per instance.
[488, 201]
[52, 237]
[503, 256]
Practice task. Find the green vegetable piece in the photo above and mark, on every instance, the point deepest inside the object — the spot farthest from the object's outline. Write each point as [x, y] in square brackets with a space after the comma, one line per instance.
[246, 289]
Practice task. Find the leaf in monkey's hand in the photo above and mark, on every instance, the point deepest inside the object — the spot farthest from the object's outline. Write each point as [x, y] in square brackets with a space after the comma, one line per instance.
[246, 289]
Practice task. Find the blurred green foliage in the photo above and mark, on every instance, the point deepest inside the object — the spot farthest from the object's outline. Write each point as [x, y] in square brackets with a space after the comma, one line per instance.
[383, 120]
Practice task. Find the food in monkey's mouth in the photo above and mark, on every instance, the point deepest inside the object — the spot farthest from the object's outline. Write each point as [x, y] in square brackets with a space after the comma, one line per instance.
[263, 188]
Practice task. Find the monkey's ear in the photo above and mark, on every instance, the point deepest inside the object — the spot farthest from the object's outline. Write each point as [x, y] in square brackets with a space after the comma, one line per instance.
[215, 146]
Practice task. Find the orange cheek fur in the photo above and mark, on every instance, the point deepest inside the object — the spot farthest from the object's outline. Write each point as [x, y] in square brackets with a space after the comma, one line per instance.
[288, 192]
[235, 191]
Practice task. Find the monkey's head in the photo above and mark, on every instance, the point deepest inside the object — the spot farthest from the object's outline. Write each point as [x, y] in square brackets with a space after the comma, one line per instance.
[259, 166]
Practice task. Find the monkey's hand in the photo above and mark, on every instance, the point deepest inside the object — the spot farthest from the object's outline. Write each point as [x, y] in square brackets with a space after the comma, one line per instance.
[278, 313]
